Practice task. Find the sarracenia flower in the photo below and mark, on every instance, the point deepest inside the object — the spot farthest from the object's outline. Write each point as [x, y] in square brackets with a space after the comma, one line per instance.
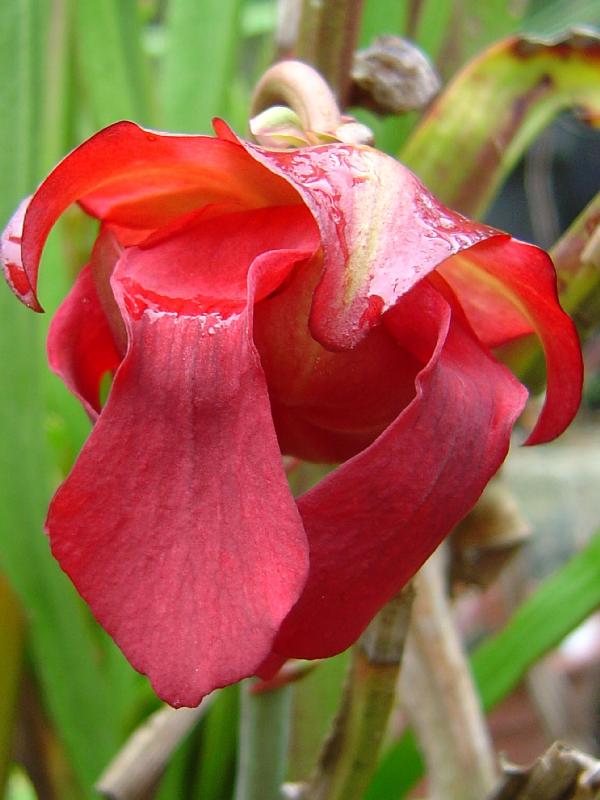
[318, 303]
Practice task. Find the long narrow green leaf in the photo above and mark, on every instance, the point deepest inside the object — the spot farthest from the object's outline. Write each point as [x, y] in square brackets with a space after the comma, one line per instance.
[176, 779]
[55, 52]
[12, 638]
[136, 62]
[470, 27]
[555, 16]
[65, 657]
[560, 604]
[263, 742]
[315, 700]
[203, 37]
[432, 27]
[379, 17]
[17, 101]
[108, 54]
[215, 761]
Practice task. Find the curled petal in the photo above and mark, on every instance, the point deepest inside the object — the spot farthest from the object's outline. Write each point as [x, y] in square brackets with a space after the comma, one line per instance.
[514, 284]
[81, 348]
[492, 314]
[140, 179]
[11, 258]
[327, 406]
[204, 266]
[373, 521]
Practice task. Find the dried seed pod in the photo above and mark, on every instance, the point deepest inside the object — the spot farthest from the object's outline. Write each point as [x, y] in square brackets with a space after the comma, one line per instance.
[393, 76]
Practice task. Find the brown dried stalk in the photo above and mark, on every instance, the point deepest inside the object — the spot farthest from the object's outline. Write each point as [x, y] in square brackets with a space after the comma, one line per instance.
[140, 762]
[438, 692]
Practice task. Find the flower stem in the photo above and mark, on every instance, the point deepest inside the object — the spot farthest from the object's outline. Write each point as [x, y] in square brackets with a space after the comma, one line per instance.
[350, 754]
[262, 750]
[577, 258]
[302, 89]
[138, 765]
[328, 33]
[440, 696]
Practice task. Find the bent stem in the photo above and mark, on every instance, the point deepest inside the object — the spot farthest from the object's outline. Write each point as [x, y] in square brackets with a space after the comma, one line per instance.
[350, 754]
[301, 88]
[263, 745]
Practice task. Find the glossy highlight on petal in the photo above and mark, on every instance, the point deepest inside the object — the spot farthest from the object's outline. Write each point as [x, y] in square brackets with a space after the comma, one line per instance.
[382, 233]
[204, 267]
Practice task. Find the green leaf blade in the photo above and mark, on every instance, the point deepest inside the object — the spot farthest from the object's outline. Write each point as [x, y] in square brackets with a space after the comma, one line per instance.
[108, 50]
[487, 117]
[203, 38]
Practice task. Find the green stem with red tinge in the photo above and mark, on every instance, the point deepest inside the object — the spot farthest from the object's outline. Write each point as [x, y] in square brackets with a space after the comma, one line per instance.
[327, 38]
[486, 118]
[349, 756]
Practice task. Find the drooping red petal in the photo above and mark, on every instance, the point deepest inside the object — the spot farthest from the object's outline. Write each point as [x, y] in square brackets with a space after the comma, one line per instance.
[521, 276]
[373, 521]
[493, 316]
[176, 523]
[142, 179]
[80, 345]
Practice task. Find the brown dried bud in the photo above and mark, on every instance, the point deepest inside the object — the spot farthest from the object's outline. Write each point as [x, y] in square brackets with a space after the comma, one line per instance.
[491, 533]
[393, 76]
[562, 773]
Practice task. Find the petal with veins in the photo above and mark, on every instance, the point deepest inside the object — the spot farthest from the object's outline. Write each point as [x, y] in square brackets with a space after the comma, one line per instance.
[176, 523]
[382, 233]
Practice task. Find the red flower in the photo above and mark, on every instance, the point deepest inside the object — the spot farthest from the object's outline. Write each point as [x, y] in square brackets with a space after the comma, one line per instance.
[318, 302]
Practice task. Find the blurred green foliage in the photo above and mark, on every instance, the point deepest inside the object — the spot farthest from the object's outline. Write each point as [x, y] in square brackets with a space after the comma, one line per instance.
[67, 68]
